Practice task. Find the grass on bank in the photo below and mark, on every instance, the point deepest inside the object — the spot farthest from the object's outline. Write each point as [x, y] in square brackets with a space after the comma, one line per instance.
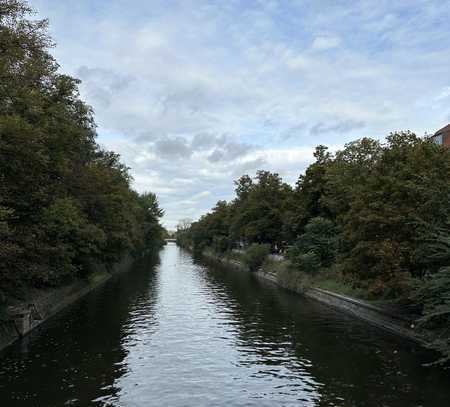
[289, 276]
[327, 279]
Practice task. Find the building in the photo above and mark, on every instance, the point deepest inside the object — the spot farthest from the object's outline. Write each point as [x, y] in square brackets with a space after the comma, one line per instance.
[442, 136]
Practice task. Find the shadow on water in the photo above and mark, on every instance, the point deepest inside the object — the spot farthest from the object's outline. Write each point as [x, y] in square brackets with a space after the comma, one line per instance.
[77, 355]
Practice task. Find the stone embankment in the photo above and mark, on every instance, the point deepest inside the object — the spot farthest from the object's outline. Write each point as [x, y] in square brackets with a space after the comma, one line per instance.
[22, 317]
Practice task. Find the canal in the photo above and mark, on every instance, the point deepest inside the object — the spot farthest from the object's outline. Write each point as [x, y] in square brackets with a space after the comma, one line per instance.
[173, 332]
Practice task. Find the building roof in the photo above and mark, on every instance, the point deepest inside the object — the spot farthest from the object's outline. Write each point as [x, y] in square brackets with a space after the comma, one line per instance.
[444, 130]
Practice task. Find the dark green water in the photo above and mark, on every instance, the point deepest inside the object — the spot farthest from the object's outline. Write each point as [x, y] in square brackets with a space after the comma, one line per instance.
[180, 334]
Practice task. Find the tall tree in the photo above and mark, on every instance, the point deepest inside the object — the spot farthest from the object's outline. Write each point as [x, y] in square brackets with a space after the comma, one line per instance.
[64, 202]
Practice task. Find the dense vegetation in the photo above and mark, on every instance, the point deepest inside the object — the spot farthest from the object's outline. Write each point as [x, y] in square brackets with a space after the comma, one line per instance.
[65, 203]
[374, 215]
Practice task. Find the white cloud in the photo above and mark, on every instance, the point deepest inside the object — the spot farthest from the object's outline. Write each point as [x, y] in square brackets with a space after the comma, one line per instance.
[444, 94]
[194, 95]
[325, 42]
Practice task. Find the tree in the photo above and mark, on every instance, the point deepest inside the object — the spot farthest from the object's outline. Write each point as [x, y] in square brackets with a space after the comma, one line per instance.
[307, 200]
[152, 230]
[316, 248]
[184, 224]
[65, 203]
[259, 208]
[404, 194]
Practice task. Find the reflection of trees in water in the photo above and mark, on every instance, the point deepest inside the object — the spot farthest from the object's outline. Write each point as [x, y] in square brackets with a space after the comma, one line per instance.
[79, 353]
[350, 359]
[136, 293]
[263, 334]
[289, 344]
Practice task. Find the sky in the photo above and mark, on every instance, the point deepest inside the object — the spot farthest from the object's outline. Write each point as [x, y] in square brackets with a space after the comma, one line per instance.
[195, 93]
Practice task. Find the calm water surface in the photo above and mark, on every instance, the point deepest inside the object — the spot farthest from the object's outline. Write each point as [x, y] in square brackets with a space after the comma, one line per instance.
[176, 333]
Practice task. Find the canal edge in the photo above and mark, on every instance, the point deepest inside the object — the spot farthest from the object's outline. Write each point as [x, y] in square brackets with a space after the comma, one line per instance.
[28, 315]
[373, 315]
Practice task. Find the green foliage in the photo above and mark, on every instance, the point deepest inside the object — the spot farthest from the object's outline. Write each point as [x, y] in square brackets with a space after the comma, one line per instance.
[220, 244]
[70, 239]
[316, 247]
[212, 230]
[432, 293]
[289, 276]
[434, 296]
[255, 216]
[403, 194]
[337, 284]
[307, 262]
[64, 202]
[149, 213]
[308, 195]
[433, 251]
[376, 200]
[259, 209]
[255, 255]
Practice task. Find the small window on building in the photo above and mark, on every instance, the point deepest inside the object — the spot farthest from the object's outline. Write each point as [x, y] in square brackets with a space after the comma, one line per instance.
[438, 139]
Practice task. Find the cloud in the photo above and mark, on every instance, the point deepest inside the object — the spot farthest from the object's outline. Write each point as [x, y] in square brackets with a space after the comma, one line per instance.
[201, 195]
[249, 166]
[102, 85]
[294, 131]
[205, 141]
[172, 147]
[337, 127]
[325, 42]
[230, 151]
[195, 94]
[444, 94]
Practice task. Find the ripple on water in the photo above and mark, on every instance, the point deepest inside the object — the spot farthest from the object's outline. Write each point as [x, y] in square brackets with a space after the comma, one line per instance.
[182, 334]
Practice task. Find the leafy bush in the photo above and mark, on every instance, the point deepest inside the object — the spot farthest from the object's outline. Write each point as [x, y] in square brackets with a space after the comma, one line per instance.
[220, 244]
[255, 255]
[434, 295]
[290, 278]
[308, 262]
[316, 248]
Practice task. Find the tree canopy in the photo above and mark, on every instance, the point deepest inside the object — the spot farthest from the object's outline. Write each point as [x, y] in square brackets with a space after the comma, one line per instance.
[65, 203]
[383, 202]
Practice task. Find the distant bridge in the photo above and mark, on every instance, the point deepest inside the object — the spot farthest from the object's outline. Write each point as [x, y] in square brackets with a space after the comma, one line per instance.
[170, 240]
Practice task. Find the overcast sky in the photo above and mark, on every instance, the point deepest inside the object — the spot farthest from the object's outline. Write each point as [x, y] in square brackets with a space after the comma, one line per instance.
[195, 93]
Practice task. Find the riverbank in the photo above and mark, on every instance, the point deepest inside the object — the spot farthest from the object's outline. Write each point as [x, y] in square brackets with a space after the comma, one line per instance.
[383, 316]
[23, 316]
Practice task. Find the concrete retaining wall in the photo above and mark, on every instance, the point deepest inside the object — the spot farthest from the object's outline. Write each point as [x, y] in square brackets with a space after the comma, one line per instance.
[22, 318]
[379, 317]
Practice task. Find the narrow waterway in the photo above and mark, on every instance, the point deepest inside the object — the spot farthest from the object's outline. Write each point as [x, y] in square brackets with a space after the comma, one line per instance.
[176, 333]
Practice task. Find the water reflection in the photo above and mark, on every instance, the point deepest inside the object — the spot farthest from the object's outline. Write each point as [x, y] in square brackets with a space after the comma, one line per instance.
[180, 333]
[350, 363]
[77, 355]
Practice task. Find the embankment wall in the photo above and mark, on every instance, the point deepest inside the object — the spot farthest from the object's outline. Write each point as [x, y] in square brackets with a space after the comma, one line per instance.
[43, 304]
